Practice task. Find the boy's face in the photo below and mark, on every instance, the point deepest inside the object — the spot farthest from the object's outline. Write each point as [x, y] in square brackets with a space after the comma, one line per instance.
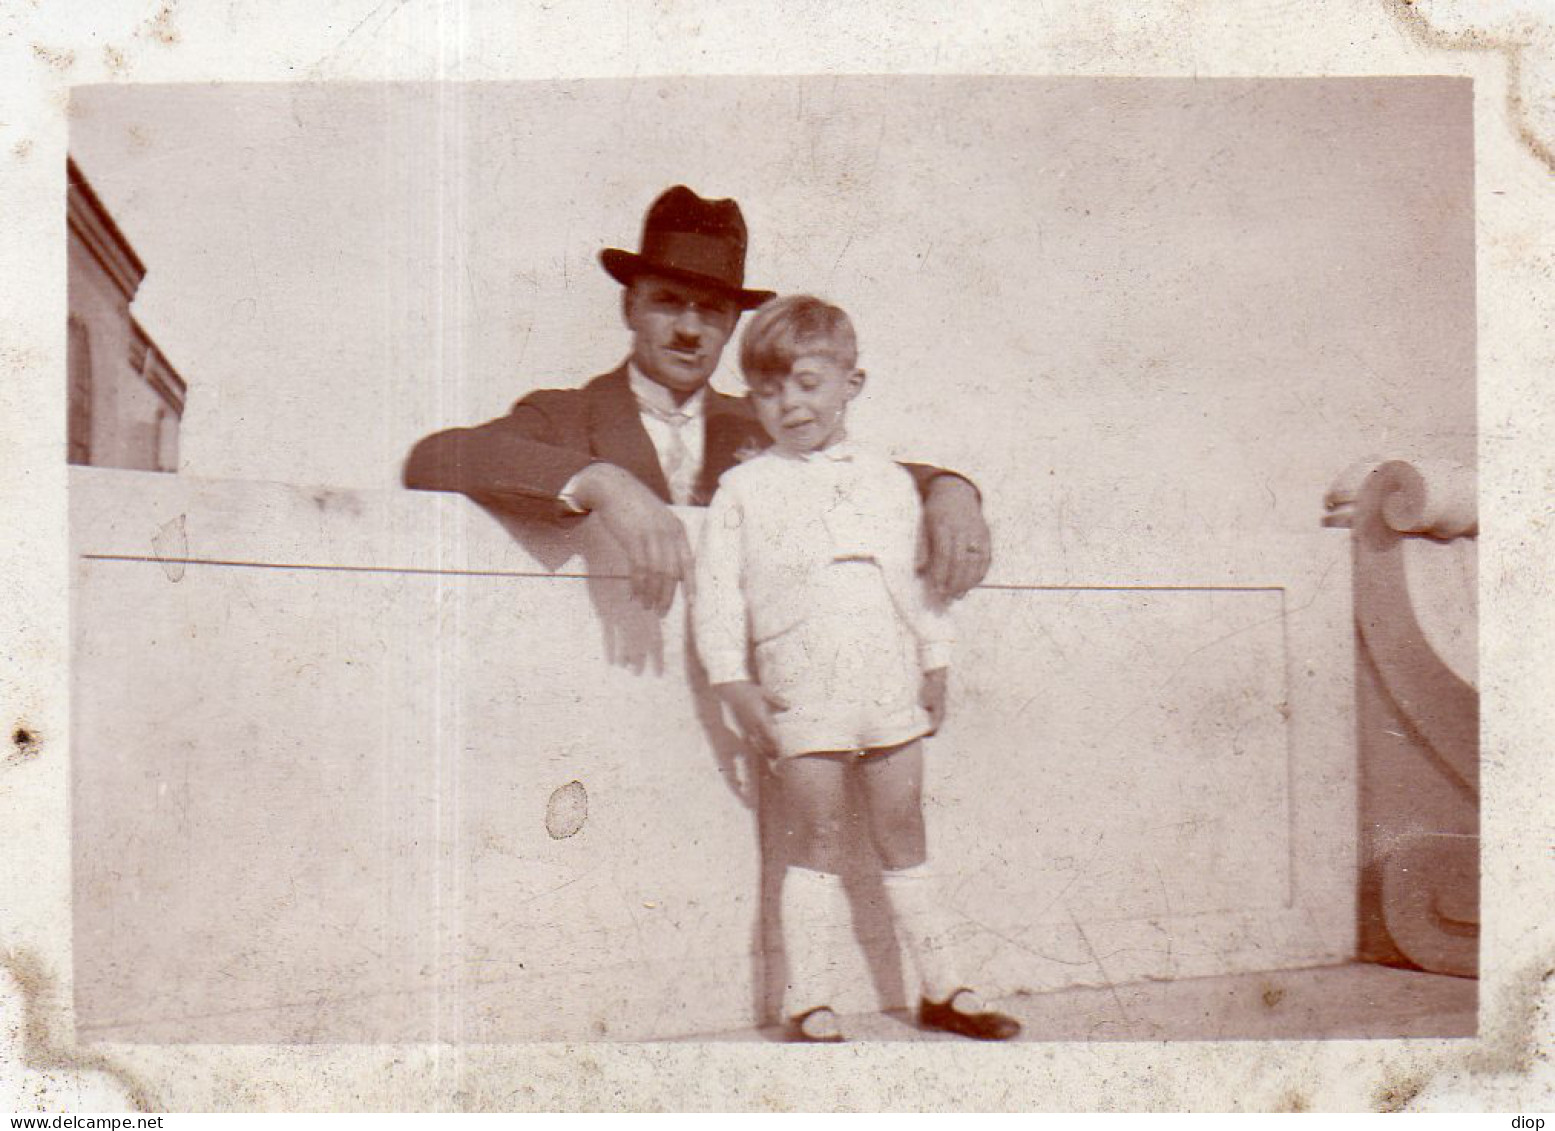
[803, 409]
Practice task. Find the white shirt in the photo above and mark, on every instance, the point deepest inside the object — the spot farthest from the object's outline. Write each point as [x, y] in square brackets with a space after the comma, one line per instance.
[778, 518]
[678, 434]
[664, 420]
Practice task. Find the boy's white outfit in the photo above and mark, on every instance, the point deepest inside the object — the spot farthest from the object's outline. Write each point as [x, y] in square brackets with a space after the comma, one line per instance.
[807, 562]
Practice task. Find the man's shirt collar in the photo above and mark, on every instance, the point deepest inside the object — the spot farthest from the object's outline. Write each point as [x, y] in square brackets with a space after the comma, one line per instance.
[654, 399]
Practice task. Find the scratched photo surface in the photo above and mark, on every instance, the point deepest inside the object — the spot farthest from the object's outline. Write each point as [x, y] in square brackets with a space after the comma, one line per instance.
[356, 764]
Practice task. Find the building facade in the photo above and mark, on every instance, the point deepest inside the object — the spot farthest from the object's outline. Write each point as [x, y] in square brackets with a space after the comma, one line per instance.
[126, 400]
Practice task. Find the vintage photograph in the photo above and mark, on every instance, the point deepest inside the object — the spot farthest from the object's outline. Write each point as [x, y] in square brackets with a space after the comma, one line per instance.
[792, 559]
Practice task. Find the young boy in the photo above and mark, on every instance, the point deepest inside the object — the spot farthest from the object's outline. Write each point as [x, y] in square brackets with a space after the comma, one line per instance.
[807, 565]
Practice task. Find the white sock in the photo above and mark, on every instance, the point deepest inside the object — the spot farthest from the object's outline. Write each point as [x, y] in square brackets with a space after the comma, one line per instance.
[923, 924]
[817, 922]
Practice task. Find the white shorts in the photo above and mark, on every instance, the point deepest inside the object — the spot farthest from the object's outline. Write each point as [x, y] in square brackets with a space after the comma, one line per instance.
[849, 673]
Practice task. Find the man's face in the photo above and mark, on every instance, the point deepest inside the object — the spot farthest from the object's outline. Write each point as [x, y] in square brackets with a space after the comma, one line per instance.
[802, 410]
[679, 330]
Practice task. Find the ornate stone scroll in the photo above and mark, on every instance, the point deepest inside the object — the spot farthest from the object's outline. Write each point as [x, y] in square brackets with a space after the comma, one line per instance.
[1417, 724]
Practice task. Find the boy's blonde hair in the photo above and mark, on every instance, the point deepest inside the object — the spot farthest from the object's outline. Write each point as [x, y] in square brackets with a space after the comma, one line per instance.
[790, 327]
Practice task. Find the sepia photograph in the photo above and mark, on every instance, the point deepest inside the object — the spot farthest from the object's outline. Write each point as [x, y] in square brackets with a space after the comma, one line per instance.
[806, 559]
[772, 558]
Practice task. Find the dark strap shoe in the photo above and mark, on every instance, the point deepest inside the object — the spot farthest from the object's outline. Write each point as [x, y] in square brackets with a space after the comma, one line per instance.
[797, 1029]
[986, 1025]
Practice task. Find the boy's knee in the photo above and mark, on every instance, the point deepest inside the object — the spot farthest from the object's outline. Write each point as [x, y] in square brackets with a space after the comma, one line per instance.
[902, 859]
[821, 833]
[816, 845]
[902, 845]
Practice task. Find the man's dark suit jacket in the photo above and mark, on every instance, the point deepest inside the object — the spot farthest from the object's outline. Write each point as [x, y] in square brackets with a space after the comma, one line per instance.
[522, 461]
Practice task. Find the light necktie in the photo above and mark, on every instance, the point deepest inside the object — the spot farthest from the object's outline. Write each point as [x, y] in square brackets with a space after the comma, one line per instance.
[676, 458]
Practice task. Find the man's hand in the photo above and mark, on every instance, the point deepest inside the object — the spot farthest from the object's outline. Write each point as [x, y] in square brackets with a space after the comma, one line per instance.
[657, 553]
[933, 696]
[958, 547]
[753, 709]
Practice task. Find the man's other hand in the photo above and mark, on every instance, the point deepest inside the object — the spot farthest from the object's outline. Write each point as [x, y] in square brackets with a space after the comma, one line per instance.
[958, 548]
[657, 553]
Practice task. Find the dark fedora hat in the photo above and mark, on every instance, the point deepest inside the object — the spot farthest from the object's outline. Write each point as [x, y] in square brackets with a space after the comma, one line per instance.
[691, 239]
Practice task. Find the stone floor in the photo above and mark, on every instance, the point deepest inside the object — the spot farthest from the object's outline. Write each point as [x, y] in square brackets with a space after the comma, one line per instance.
[1352, 1001]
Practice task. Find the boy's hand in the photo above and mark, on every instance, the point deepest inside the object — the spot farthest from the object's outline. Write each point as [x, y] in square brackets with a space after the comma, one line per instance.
[753, 709]
[935, 684]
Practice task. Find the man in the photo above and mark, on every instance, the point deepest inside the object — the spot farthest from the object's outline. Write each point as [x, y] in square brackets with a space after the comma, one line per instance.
[651, 433]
